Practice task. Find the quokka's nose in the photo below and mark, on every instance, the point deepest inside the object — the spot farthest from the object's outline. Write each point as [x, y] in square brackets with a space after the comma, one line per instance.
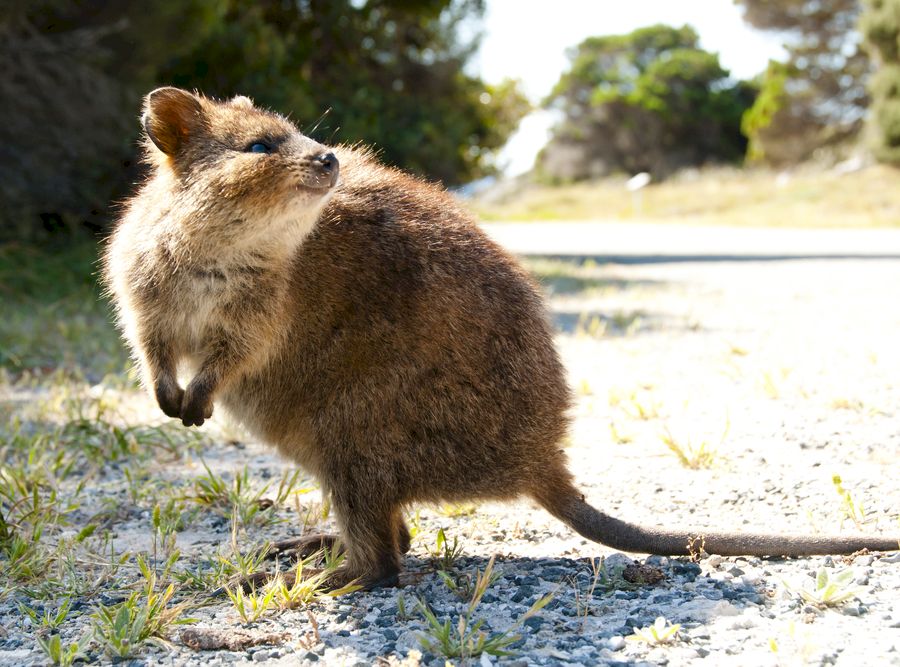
[328, 166]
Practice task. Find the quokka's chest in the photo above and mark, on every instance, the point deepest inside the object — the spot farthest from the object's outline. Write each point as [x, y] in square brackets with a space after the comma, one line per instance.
[197, 303]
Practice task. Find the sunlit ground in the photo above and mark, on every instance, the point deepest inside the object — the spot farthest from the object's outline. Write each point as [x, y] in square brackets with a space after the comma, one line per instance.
[721, 395]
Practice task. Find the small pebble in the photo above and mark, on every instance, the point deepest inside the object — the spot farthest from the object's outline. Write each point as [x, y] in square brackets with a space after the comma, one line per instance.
[616, 643]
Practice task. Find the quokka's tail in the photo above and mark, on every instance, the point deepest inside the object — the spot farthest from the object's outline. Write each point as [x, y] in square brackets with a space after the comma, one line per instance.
[568, 505]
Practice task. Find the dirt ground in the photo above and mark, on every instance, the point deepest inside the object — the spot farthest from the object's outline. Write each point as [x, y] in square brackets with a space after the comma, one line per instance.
[713, 391]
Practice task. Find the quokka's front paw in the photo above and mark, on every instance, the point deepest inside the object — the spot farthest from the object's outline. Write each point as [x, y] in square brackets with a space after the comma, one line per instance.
[196, 406]
[169, 396]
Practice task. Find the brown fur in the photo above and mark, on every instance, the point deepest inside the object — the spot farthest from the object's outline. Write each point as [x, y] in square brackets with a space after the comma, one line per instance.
[370, 331]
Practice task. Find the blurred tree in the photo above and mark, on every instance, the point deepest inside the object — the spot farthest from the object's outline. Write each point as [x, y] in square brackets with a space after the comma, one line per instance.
[391, 74]
[651, 100]
[880, 24]
[818, 97]
[71, 79]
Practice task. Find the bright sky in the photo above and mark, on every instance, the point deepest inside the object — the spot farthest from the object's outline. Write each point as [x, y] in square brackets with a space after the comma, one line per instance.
[527, 40]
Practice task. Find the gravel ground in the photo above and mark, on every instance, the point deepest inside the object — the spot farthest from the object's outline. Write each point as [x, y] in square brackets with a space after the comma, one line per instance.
[787, 372]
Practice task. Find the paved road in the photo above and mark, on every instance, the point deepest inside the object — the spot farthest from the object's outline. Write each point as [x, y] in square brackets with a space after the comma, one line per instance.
[635, 242]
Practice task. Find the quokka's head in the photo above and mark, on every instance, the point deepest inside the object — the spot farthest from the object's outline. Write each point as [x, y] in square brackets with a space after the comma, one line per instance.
[246, 171]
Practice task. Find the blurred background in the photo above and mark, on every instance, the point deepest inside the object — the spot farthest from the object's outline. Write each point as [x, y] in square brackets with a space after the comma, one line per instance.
[489, 96]
[758, 113]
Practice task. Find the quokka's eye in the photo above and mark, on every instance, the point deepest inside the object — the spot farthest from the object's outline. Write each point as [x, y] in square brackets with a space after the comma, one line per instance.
[259, 147]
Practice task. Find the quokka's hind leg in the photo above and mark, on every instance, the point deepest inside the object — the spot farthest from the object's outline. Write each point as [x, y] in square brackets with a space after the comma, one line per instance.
[373, 550]
[370, 533]
[404, 539]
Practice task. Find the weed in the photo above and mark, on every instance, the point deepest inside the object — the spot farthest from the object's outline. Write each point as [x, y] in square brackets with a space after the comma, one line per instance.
[145, 617]
[627, 322]
[168, 519]
[593, 326]
[465, 639]
[24, 559]
[77, 566]
[250, 606]
[305, 589]
[770, 387]
[239, 499]
[462, 585]
[444, 554]
[402, 613]
[562, 277]
[453, 510]
[615, 398]
[92, 428]
[51, 619]
[661, 632]
[210, 489]
[830, 589]
[695, 456]
[59, 654]
[241, 564]
[205, 576]
[584, 598]
[848, 404]
[773, 382]
[642, 406]
[690, 455]
[619, 437]
[604, 579]
[311, 637]
[850, 508]
[415, 524]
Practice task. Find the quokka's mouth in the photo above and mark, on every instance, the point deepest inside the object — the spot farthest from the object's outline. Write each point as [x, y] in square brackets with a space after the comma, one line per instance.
[317, 189]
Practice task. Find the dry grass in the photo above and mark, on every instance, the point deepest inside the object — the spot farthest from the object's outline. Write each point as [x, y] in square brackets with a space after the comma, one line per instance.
[806, 198]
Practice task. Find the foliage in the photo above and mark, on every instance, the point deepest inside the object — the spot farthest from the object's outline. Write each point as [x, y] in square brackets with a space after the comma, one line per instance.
[251, 605]
[53, 314]
[391, 74]
[817, 98]
[661, 632]
[651, 100]
[58, 653]
[770, 105]
[690, 455]
[144, 617]
[445, 554]
[880, 24]
[850, 507]
[830, 589]
[722, 196]
[67, 125]
[239, 499]
[465, 639]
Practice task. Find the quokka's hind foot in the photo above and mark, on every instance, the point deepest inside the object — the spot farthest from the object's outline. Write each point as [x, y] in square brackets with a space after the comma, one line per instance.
[304, 546]
[292, 548]
[338, 579]
[307, 545]
[257, 580]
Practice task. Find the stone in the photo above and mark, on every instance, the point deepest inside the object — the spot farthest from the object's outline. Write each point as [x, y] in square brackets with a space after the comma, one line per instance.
[616, 643]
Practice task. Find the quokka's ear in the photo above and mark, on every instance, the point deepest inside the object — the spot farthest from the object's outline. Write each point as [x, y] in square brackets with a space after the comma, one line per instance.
[241, 101]
[171, 117]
